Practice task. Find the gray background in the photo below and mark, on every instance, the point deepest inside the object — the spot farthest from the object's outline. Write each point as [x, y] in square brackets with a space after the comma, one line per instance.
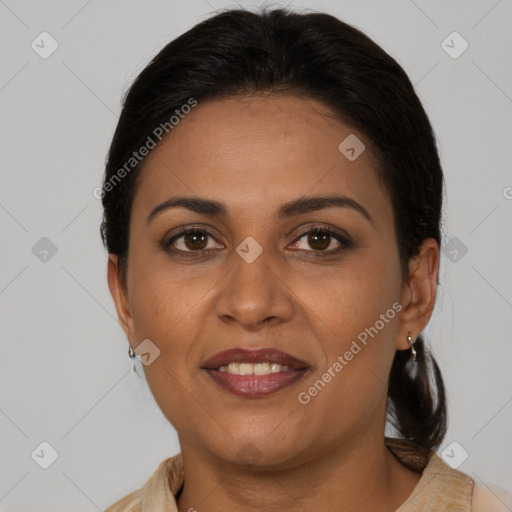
[65, 376]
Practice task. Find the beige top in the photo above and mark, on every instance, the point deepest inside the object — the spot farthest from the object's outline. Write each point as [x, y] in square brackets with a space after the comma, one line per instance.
[439, 489]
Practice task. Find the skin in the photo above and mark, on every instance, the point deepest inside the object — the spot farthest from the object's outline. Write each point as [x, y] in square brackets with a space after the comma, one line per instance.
[253, 154]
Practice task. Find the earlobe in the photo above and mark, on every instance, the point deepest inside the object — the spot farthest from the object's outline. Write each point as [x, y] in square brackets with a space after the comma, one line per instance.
[119, 294]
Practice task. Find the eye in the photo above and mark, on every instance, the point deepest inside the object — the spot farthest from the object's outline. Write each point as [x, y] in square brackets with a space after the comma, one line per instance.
[190, 239]
[320, 239]
[195, 240]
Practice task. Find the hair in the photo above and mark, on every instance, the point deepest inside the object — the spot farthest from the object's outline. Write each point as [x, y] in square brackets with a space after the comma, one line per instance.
[314, 55]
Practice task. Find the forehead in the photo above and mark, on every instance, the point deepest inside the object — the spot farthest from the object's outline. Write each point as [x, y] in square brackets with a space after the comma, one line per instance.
[255, 153]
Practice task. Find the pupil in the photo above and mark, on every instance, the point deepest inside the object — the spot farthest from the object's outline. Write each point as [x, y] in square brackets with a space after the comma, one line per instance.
[315, 238]
[195, 235]
[325, 238]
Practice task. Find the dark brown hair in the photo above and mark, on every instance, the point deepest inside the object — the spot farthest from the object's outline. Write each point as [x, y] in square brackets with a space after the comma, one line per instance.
[238, 52]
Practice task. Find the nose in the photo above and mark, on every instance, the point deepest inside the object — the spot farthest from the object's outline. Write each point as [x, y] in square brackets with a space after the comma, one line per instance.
[254, 294]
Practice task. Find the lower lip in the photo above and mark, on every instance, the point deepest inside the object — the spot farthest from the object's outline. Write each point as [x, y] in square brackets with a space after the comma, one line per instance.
[255, 386]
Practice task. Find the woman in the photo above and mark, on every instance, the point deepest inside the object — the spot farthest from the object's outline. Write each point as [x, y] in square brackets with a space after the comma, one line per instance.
[272, 207]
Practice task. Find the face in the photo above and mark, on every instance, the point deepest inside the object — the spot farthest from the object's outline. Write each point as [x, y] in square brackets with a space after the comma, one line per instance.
[257, 276]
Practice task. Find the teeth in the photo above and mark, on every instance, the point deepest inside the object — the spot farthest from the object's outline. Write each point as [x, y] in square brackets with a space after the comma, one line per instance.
[257, 369]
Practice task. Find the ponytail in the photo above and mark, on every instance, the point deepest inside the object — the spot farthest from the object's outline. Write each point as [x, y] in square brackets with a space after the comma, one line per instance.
[416, 398]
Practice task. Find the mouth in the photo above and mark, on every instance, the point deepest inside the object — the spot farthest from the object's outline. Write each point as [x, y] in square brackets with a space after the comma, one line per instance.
[254, 373]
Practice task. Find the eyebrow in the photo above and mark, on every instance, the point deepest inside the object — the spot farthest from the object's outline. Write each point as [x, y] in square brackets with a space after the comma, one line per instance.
[296, 207]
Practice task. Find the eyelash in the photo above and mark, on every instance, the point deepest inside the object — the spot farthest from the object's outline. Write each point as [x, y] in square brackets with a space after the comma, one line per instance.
[345, 243]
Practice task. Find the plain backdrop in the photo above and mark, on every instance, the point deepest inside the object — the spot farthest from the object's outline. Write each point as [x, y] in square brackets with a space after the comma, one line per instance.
[68, 397]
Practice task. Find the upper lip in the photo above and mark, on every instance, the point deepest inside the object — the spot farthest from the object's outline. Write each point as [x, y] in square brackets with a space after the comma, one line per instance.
[242, 355]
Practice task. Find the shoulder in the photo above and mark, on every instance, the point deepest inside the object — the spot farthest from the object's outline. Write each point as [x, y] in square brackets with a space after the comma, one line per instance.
[130, 503]
[490, 499]
[440, 488]
[161, 486]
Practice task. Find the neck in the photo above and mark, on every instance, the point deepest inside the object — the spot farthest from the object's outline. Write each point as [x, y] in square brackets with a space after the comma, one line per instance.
[361, 475]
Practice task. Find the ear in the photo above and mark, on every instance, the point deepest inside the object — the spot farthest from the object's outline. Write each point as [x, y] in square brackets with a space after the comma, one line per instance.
[419, 293]
[120, 296]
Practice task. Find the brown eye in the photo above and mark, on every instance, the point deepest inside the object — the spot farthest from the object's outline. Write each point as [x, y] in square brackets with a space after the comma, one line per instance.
[318, 242]
[320, 239]
[195, 240]
[190, 240]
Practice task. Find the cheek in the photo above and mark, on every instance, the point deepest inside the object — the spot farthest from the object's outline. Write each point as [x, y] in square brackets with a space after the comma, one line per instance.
[170, 308]
[163, 300]
[165, 312]
[356, 322]
[355, 295]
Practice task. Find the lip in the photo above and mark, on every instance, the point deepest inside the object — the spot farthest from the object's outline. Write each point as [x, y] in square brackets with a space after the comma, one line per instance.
[242, 355]
[255, 386]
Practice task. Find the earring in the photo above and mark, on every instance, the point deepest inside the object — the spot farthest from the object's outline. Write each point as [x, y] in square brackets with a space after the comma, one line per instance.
[132, 354]
[413, 352]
